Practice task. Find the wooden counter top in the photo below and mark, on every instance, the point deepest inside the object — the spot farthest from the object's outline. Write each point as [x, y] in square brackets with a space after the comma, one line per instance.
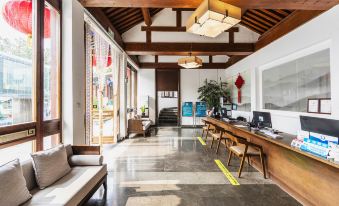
[284, 141]
[310, 179]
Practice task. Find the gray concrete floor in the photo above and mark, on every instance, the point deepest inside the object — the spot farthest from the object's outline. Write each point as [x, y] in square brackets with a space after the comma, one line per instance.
[172, 168]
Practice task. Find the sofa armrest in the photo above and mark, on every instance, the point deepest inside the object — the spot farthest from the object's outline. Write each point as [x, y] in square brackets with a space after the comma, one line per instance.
[86, 150]
[86, 160]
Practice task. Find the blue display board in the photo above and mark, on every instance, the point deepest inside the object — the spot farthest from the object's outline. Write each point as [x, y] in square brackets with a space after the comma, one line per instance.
[200, 109]
[187, 109]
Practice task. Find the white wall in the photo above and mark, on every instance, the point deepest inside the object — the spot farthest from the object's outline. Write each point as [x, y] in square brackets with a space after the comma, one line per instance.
[319, 30]
[73, 73]
[191, 80]
[166, 103]
[146, 87]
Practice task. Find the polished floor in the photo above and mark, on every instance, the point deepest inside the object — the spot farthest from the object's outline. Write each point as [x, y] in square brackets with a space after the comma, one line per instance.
[172, 168]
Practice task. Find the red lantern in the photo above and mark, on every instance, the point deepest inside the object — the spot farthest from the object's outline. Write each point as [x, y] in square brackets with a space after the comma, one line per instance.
[109, 59]
[18, 14]
[239, 83]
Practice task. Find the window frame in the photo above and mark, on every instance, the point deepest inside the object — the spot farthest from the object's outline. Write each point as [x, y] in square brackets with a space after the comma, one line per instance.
[48, 127]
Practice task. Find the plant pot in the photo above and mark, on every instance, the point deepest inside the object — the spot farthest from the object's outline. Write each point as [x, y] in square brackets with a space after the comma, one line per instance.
[143, 114]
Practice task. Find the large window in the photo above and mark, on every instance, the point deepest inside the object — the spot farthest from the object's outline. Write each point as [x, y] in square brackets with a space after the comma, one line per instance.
[16, 64]
[288, 86]
[29, 82]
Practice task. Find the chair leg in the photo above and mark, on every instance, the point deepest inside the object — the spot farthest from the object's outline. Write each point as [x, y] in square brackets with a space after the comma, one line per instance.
[105, 187]
[144, 134]
[206, 136]
[229, 158]
[212, 142]
[202, 134]
[242, 161]
[241, 165]
[262, 162]
[248, 160]
[216, 152]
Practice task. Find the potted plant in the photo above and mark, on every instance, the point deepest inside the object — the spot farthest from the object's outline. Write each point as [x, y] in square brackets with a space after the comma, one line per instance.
[211, 92]
[143, 111]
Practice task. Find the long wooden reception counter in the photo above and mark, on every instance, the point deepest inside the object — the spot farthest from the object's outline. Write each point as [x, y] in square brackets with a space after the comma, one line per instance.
[309, 178]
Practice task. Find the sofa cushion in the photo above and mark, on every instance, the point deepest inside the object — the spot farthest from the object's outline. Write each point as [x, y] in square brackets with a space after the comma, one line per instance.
[146, 125]
[86, 160]
[70, 189]
[29, 175]
[13, 189]
[50, 165]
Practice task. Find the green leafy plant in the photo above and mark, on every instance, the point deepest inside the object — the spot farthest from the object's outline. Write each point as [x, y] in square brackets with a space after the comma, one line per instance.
[143, 109]
[211, 92]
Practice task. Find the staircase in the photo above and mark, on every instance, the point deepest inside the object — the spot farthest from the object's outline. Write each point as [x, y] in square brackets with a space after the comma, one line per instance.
[168, 117]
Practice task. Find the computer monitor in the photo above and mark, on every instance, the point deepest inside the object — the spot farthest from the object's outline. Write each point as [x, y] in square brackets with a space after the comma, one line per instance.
[225, 112]
[320, 125]
[262, 119]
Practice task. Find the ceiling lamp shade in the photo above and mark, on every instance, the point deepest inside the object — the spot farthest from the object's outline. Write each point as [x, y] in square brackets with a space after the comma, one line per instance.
[190, 62]
[212, 18]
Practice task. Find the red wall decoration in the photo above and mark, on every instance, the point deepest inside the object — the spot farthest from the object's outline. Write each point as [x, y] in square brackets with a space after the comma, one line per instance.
[239, 83]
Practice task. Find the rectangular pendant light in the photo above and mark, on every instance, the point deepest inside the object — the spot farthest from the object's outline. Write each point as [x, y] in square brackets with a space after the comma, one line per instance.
[190, 62]
[212, 18]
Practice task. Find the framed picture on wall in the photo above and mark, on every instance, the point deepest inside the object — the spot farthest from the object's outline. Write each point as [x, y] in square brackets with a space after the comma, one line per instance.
[313, 106]
[325, 106]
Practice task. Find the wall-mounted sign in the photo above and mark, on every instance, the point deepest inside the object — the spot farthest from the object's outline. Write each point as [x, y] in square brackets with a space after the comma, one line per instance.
[200, 109]
[187, 109]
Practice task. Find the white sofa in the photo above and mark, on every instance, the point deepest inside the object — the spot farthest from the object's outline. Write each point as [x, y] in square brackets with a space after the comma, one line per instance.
[77, 186]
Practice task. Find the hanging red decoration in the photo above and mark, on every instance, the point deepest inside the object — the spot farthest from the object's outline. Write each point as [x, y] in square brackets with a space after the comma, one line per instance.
[109, 59]
[18, 14]
[239, 83]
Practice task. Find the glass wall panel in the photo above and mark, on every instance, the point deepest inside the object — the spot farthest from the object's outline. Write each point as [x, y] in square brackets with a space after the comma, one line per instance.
[288, 86]
[16, 63]
[51, 67]
[51, 141]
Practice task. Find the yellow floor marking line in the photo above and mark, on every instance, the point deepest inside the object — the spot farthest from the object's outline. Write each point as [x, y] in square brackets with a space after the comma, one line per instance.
[227, 173]
[201, 141]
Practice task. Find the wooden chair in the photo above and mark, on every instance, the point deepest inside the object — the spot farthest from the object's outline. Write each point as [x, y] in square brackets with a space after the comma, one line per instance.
[207, 128]
[219, 135]
[243, 149]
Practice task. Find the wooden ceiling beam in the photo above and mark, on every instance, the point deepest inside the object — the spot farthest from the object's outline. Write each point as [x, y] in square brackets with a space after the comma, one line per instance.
[260, 19]
[163, 28]
[249, 24]
[123, 14]
[263, 15]
[115, 12]
[147, 16]
[246, 4]
[174, 65]
[256, 23]
[272, 14]
[172, 48]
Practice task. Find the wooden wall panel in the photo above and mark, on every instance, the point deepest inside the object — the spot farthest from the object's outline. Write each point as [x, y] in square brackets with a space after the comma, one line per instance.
[167, 80]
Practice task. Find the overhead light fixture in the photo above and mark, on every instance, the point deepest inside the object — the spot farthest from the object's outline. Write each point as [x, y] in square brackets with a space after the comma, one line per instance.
[212, 18]
[190, 62]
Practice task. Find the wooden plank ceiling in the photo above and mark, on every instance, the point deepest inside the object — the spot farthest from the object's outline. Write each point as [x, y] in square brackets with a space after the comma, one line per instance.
[123, 19]
[258, 20]
[271, 19]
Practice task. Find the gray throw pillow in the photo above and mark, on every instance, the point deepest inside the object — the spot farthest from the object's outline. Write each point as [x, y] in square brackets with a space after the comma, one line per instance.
[13, 189]
[50, 165]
